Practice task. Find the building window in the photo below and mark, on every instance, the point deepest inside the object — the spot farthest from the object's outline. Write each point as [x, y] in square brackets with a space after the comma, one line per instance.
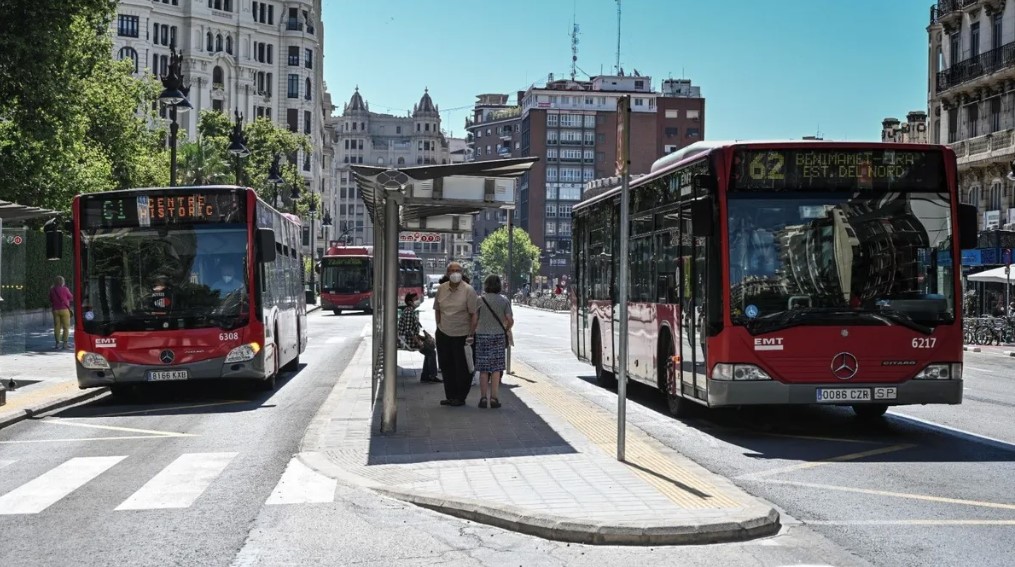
[955, 47]
[218, 43]
[308, 95]
[292, 119]
[294, 86]
[308, 58]
[307, 122]
[995, 114]
[693, 133]
[127, 26]
[218, 77]
[974, 40]
[972, 119]
[128, 53]
[551, 211]
[672, 132]
[672, 113]
[995, 36]
[294, 56]
[229, 45]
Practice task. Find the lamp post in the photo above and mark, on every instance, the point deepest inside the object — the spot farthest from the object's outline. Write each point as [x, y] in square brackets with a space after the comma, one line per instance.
[275, 178]
[174, 94]
[237, 143]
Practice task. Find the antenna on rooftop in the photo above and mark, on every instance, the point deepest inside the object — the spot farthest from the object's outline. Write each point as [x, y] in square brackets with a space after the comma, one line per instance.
[617, 68]
[574, 47]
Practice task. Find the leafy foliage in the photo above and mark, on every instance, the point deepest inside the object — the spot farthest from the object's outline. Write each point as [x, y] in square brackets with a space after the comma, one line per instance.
[524, 260]
[203, 163]
[69, 119]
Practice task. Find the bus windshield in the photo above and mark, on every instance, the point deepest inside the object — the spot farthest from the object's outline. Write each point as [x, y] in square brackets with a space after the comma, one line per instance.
[137, 279]
[345, 275]
[840, 258]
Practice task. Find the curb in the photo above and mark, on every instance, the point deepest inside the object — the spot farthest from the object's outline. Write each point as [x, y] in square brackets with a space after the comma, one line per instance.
[968, 348]
[540, 308]
[51, 405]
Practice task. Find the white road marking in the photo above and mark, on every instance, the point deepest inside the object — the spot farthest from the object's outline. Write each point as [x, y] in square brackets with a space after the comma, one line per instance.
[301, 485]
[968, 367]
[961, 433]
[115, 428]
[179, 484]
[44, 491]
[6, 463]
[335, 340]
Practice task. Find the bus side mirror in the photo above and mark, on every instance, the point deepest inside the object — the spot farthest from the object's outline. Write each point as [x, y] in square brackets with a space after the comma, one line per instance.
[265, 245]
[702, 222]
[967, 227]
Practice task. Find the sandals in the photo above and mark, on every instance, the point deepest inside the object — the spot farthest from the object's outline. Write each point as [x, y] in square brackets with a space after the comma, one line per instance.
[482, 402]
[494, 403]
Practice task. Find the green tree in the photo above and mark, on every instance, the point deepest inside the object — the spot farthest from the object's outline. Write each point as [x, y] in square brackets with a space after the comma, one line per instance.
[524, 260]
[203, 163]
[69, 114]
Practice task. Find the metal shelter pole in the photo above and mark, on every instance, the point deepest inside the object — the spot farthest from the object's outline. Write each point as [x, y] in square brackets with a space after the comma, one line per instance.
[623, 141]
[510, 265]
[375, 304]
[389, 408]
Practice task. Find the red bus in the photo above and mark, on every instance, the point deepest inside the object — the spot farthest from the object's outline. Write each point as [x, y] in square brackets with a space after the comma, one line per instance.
[185, 283]
[780, 273]
[347, 277]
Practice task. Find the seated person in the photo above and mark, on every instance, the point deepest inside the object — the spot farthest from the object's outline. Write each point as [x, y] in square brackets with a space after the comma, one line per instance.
[412, 337]
[227, 282]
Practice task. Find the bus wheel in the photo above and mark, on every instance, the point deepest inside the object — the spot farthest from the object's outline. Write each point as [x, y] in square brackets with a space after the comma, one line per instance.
[870, 411]
[123, 392]
[268, 384]
[604, 378]
[336, 311]
[676, 403]
[294, 364]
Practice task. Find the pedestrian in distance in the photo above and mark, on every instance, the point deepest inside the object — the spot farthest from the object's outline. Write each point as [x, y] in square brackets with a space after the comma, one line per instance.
[60, 299]
[455, 307]
[493, 332]
[413, 337]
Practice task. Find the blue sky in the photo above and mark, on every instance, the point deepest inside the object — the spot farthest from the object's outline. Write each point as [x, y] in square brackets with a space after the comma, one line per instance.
[767, 68]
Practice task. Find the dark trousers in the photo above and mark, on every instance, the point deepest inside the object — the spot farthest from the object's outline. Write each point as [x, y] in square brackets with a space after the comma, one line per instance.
[454, 368]
[429, 362]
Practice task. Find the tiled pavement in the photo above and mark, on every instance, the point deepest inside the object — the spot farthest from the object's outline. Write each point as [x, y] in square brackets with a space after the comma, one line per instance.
[543, 464]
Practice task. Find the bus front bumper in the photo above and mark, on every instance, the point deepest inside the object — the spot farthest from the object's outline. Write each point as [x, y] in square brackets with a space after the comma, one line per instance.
[772, 392]
[210, 369]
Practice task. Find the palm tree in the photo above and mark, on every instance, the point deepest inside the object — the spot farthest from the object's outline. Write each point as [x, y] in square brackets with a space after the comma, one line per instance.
[203, 163]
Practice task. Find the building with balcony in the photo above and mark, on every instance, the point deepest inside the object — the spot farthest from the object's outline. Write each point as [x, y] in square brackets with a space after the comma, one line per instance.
[264, 59]
[913, 131]
[572, 127]
[360, 136]
[971, 86]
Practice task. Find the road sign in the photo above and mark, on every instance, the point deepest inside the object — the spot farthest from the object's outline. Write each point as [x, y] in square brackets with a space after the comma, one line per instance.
[419, 237]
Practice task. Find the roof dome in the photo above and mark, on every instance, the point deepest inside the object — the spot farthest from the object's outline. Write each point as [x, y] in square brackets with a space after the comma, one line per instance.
[425, 105]
[355, 103]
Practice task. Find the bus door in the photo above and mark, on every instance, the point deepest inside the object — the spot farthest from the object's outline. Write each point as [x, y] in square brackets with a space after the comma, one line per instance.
[691, 275]
[580, 297]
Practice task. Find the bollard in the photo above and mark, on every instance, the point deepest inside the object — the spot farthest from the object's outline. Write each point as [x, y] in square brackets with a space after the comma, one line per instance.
[3, 394]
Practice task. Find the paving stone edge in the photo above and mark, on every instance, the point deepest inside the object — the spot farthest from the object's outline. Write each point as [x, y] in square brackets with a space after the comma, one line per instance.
[50, 405]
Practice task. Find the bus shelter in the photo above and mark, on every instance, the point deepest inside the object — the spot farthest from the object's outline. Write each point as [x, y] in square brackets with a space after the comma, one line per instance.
[434, 198]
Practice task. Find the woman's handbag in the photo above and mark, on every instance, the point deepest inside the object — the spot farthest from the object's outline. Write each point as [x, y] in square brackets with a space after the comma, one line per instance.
[508, 337]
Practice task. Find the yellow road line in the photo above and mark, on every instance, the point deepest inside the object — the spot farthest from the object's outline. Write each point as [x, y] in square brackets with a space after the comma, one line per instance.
[907, 495]
[830, 460]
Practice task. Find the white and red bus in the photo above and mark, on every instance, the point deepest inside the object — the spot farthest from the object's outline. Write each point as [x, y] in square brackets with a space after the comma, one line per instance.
[781, 273]
[185, 283]
[347, 277]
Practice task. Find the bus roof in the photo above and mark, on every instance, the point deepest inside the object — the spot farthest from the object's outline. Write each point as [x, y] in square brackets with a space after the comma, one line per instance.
[690, 153]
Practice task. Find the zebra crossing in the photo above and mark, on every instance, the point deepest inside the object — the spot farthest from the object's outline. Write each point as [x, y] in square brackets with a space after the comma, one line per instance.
[178, 485]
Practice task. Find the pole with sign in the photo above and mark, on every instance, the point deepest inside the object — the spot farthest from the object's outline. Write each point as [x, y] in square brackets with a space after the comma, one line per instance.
[623, 168]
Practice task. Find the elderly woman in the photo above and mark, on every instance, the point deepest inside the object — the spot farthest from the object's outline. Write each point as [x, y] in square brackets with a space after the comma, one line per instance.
[411, 332]
[494, 322]
[455, 310]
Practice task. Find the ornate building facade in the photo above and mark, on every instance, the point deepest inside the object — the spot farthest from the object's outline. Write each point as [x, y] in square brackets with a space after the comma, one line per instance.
[971, 86]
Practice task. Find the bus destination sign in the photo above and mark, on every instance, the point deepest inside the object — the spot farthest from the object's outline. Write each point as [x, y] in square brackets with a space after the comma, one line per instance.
[117, 211]
[837, 170]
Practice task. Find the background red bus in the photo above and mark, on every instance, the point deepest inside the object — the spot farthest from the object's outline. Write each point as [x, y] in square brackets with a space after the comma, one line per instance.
[185, 283]
[781, 273]
[347, 277]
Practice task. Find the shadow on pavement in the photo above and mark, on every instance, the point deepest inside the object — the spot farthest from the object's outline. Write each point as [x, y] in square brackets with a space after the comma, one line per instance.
[428, 431]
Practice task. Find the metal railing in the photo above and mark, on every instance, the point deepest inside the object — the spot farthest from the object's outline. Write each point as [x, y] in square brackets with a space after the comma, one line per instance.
[977, 66]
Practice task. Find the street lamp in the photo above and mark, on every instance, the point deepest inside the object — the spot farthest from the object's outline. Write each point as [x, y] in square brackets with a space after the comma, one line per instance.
[174, 95]
[275, 178]
[237, 143]
[313, 250]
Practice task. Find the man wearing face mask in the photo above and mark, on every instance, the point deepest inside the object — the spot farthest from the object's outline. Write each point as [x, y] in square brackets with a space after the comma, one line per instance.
[412, 335]
[227, 282]
[456, 310]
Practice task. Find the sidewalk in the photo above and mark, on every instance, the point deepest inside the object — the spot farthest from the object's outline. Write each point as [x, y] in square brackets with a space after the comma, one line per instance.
[544, 464]
[1003, 350]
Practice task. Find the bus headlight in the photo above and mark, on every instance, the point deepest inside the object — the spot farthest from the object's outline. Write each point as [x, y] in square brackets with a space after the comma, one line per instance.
[738, 372]
[941, 372]
[92, 361]
[243, 353]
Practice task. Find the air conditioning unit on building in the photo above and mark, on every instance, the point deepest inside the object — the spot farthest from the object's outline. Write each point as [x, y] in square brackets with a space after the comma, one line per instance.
[1009, 226]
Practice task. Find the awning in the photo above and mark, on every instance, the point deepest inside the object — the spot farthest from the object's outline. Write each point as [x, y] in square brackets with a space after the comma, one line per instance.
[14, 212]
[424, 187]
[995, 275]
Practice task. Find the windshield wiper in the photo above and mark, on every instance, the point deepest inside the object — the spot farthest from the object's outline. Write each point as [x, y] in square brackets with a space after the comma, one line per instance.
[902, 318]
[796, 317]
[780, 320]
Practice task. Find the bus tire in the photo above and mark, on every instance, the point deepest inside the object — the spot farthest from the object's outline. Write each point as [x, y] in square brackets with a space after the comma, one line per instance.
[870, 411]
[604, 378]
[294, 364]
[677, 405]
[123, 392]
[336, 311]
[268, 384]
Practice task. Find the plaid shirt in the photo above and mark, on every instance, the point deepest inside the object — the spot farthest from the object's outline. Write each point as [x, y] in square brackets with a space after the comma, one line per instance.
[409, 326]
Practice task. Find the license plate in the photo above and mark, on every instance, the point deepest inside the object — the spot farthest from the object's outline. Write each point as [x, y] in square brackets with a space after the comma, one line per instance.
[885, 393]
[836, 395]
[166, 375]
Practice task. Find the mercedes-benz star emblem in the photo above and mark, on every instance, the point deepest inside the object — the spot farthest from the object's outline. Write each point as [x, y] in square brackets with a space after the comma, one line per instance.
[844, 366]
[167, 357]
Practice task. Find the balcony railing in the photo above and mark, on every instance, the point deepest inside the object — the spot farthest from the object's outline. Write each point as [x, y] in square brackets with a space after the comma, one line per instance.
[989, 146]
[978, 66]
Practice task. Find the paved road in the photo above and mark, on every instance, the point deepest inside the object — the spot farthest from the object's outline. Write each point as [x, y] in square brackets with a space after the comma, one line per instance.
[899, 492]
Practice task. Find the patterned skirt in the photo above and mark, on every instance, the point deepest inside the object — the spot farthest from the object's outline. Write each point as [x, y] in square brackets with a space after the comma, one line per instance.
[490, 353]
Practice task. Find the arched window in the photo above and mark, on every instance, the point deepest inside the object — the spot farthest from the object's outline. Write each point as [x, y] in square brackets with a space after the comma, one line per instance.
[401, 161]
[128, 53]
[308, 97]
[995, 196]
[211, 43]
[974, 196]
[218, 43]
[229, 45]
[217, 76]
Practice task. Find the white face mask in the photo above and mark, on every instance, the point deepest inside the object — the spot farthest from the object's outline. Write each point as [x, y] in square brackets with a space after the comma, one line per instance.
[455, 277]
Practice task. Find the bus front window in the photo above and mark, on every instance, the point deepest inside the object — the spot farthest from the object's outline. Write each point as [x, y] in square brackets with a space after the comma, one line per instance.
[345, 275]
[831, 254]
[183, 278]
